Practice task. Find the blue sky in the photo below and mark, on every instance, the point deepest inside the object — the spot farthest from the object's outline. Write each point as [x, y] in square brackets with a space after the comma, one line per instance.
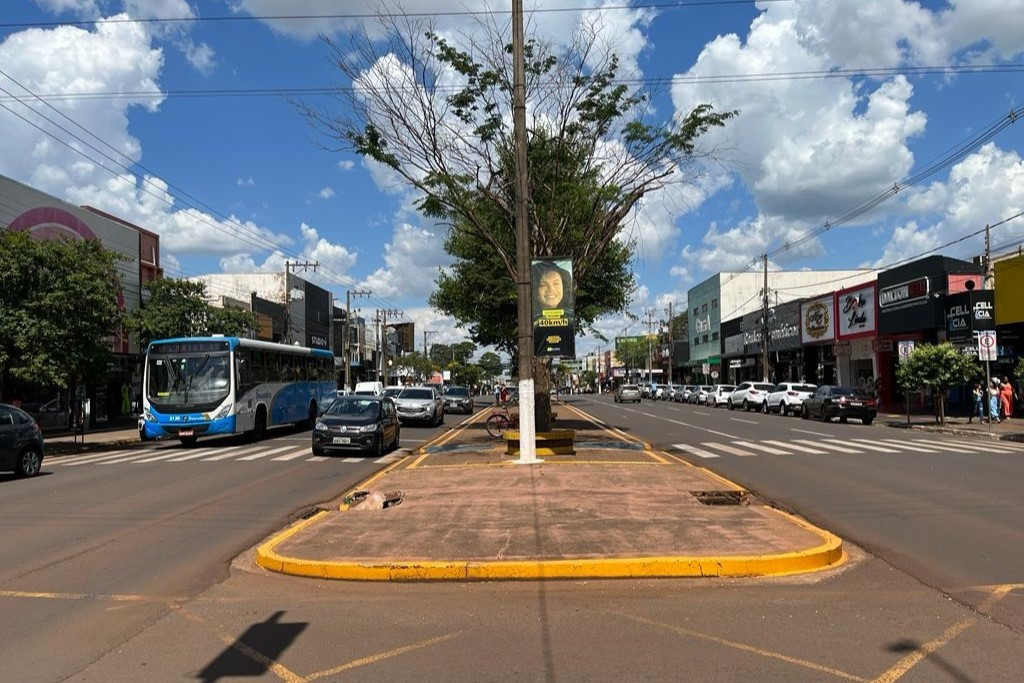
[804, 150]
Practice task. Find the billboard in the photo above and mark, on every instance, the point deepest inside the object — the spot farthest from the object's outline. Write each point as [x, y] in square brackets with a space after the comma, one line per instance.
[554, 312]
[818, 320]
[856, 311]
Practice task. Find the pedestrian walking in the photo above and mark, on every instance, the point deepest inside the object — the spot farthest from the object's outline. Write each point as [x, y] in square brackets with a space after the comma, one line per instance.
[993, 401]
[979, 404]
[503, 397]
[1006, 397]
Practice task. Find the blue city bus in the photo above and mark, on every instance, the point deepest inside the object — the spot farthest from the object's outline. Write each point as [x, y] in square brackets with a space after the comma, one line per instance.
[206, 386]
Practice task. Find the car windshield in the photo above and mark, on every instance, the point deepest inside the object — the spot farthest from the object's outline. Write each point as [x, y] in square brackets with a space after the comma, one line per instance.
[186, 379]
[461, 392]
[726, 387]
[417, 393]
[392, 391]
[764, 387]
[629, 387]
[848, 391]
[803, 387]
[349, 406]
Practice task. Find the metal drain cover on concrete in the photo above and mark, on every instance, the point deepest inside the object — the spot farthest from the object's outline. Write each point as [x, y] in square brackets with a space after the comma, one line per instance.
[722, 497]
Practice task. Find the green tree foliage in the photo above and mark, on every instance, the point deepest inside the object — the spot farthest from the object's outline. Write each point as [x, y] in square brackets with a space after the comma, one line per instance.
[58, 309]
[679, 323]
[631, 352]
[939, 367]
[1018, 371]
[490, 364]
[418, 365]
[468, 375]
[178, 308]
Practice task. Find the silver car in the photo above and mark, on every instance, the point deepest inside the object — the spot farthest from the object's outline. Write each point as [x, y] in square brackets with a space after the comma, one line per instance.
[420, 404]
[458, 399]
[627, 392]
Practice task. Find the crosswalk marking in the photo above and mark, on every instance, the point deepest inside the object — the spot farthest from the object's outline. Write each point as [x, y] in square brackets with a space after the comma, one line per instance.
[977, 448]
[761, 447]
[801, 448]
[127, 458]
[94, 457]
[235, 450]
[995, 446]
[823, 444]
[176, 453]
[352, 460]
[302, 450]
[317, 458]
[906, 446]
[873, 445]
[261, 454]
[728, 449]
[699, 452]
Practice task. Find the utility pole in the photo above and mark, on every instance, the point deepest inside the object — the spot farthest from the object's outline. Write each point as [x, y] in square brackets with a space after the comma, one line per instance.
[288, 266]
[382, 321]
[527, 416]
[671, 343]
[988, 281]
[347, 349]
[650, 332]
[764, 324]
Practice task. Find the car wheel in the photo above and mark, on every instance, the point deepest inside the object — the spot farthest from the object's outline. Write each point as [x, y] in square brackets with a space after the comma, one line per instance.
[764, 407]
[804, 414]
[730, 405]
[784, 409]
[842, 419]
[867, 420]
[746, 405]
[319, 450]
[378, 445]
[398, 438]
[30, 461]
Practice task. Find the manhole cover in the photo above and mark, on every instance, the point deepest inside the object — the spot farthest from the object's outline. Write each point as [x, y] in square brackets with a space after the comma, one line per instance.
[722, 497]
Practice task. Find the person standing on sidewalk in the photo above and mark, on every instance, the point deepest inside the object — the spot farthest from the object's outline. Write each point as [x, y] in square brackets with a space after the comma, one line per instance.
[993, 401]
[1006, 397]
[979, 404]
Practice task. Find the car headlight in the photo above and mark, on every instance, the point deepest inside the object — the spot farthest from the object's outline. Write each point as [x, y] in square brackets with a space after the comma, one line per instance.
[368, 428]
[321, 427]
[223, 411]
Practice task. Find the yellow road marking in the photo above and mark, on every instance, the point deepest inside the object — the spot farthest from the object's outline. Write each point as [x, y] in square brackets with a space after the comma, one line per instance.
[415, 463]
[744, 647]
[611, 430]
[255, 655]
[373, 659]
[45, 595]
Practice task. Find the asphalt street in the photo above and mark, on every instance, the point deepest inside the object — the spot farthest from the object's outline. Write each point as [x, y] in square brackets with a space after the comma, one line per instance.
[946, 509]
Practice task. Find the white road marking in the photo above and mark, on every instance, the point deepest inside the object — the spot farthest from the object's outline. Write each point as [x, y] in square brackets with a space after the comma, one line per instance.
[699, 452]
[740, 419]
[95, 457]
[871, 445]
[831, 447]
[697, 412]
[176, 454]
[906, 445]
[257, 456]
[728, 449]
[301, 451]
[800, 448]
[762, 447]
[806, 431]
[235, 450]
[317, 458]
[977, 448]
[136, 456]
[995, 446]
[705, 429]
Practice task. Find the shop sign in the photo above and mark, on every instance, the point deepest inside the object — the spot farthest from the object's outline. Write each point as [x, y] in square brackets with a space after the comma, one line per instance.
[881, 345]
[818, 320]
[904, 295]
[704, 325]
[968, 313]
[843, 349]
[855, 311]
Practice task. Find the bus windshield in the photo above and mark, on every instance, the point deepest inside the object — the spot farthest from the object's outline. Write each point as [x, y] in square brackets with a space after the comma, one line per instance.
[188, 379]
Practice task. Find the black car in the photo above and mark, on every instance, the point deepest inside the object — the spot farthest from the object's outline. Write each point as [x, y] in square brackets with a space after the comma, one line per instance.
[21, 442]
[361, 423]
[457, 399]
[831, 401]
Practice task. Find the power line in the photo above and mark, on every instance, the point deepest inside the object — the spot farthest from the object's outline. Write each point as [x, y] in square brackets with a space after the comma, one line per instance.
[378, 15]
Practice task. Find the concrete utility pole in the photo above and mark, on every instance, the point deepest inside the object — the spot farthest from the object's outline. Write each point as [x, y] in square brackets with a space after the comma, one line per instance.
[764, 324]
[671, 343]
[347, 349]
[650, 332]
[989, 280]
[527, 417]
[288, 266]
[382, 320]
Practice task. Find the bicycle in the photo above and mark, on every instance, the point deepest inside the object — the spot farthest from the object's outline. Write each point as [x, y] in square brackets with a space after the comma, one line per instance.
[499, 423]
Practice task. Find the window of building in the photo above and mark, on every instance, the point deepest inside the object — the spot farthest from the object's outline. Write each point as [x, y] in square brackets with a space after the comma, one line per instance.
[704, 339]
[714, 336]
[696, 340]
[714, 304]
[696, 312]
[704, 309]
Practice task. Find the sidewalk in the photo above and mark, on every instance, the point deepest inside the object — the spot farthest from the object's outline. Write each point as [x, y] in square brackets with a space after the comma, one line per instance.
[1008, 430]
[465, 510]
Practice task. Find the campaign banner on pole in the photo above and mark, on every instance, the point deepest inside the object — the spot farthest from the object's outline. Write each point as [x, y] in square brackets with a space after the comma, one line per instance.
[554, 310]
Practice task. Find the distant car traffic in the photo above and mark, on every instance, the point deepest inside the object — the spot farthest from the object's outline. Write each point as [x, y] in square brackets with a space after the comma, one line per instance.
[787, 397]
[362, 423]
[831, 401]
[458, 399]
[719, 394]
[749, 395]
[21, 442]
[628, 392]
[420, 404]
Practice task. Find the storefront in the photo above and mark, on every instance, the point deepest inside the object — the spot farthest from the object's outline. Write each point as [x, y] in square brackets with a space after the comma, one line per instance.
[818, 334]
[735, 366]
[785, 360]
[856, 311]
[1009, 314]
[912, 308]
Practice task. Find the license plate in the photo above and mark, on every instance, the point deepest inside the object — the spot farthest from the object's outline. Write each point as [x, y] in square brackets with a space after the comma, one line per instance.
[342, 440]
[856, 404]
[185, 432]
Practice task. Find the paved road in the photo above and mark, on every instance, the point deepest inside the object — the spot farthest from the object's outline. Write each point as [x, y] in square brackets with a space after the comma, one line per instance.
[949, 510]
[162, 520]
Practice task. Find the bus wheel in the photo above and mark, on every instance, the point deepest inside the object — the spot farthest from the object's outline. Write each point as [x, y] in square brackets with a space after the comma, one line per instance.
[259, 430]
[311, 418]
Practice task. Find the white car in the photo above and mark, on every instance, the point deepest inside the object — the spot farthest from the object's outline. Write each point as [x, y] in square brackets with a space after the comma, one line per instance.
[750, 395]
[719, 395]
[787, 397]
[703, 392]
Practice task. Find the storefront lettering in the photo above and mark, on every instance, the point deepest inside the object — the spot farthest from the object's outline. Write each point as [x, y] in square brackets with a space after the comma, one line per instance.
[903, 293]
[817, 320]
[855, 310]
[704, 325]
[982, 310]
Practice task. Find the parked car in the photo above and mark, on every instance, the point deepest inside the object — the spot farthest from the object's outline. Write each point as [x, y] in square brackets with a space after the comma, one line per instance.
[628, 392]
[361, 423]
[749, 395]
[831, 401]
[687, 390]
[645, 390]
[660, 392]
[458, 399]
[673, 390]
[420, 404]
[369, 388]
[21, 442]
[719, 395]
[787, 397]
[701, 395]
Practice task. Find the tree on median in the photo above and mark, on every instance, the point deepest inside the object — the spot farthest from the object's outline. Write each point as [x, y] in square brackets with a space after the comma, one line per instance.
[435, 114]
[939, 367]
[58, 309]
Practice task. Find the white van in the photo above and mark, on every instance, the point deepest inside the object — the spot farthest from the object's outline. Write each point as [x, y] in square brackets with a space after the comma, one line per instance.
[369, 388]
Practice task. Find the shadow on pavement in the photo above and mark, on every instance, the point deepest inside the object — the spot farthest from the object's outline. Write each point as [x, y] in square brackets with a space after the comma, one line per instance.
[255, 651]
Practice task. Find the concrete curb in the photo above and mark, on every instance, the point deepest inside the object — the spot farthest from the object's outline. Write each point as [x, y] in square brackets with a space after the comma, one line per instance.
[828, 554]
[936, 429]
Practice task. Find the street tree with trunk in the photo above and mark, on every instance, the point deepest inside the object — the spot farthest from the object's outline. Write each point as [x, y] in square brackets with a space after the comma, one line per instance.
[434, 111]
[59, 310]
[490, 364]
[939, 367]
[178, 308]
[416, 364]
[631, 352]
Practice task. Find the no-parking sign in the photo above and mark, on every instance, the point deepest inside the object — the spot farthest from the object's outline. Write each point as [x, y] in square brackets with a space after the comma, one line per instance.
[987, 345]
[905, 348]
